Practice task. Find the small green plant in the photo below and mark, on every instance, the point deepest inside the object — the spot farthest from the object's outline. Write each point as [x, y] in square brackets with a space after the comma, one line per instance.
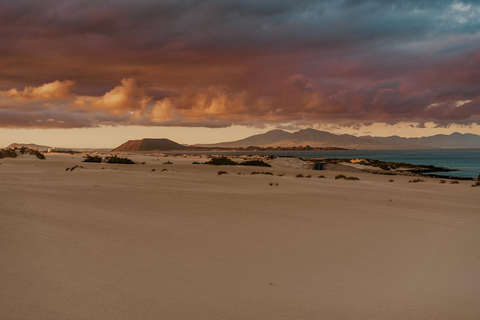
[116, 159]
[454, 182]
[222, 172]
[415, 180]
[221, 161]
[299, 175]
[256, 163]
[89, 158]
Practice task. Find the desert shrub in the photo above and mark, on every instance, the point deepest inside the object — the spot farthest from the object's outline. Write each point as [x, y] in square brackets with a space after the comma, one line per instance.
[308, 176]
[342, 176]
[273, 184]
[163, 170]
[263, 172]
[476, 184]
[321, 177]
[256, 163]
[38, 154]
[195, 162]
[442, 181]
[153, 170]
[7, 153]
[299, 175]
[390, 180]
[221, 161]
[415, 180]
[387, 173]
[120, 160]
[89, 158]
[222, 172]
[168, 162]
[281, 174]
[454, 182]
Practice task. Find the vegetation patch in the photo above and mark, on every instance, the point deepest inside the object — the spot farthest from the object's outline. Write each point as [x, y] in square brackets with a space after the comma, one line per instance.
[342, 176]
[89, 158]
[11, 153]
[454, 182]
[119, 160]
[273, 184]
[7, 153]
[222, 172]
[321, 177]
[168, 162]
[221, 161]
[476, 184]
[299, 175]
[415, 180]
[263, 172]
[443, 181]
[256, 163]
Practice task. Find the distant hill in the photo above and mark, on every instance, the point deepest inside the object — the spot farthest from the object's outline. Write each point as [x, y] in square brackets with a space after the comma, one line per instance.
[316, 138]
[29, 145]
[150, 145]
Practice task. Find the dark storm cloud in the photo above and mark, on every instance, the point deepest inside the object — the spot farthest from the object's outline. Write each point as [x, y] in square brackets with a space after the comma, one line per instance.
[215, 63]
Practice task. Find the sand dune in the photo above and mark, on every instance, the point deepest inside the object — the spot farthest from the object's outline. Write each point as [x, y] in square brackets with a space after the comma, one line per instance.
[127, 242]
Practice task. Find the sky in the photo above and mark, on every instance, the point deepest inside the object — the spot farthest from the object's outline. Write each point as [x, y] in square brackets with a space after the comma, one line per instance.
[96, 73]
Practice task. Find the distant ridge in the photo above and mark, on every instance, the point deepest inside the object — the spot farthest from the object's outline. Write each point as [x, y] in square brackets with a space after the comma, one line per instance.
[29, 145]
[316, 138]
[150, 145]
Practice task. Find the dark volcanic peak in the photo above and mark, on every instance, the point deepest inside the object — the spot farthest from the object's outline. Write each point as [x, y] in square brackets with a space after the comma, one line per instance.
[150, 145]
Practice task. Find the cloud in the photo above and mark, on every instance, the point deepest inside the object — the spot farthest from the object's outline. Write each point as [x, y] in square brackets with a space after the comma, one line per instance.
[126, 98]
[57, 90]
[214, 63]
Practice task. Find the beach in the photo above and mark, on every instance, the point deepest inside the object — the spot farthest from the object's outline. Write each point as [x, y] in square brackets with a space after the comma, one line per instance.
[112, 241]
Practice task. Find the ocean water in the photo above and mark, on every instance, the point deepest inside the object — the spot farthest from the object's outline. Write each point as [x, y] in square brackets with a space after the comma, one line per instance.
[466, 162]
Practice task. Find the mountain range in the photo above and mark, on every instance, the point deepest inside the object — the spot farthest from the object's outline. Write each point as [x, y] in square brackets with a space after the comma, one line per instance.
[316, 138]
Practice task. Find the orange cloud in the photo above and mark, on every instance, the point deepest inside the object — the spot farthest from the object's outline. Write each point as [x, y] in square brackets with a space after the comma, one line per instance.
[57, 90]
[126, 98]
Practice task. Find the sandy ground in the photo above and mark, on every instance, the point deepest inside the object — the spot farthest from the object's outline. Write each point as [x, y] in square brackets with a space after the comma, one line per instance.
[127, 242]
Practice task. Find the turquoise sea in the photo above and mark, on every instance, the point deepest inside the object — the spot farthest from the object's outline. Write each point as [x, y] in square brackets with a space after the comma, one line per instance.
[465, 161]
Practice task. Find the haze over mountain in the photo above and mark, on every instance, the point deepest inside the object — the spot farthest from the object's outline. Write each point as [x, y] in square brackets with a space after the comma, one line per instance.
[316, 138]
[149, 144]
